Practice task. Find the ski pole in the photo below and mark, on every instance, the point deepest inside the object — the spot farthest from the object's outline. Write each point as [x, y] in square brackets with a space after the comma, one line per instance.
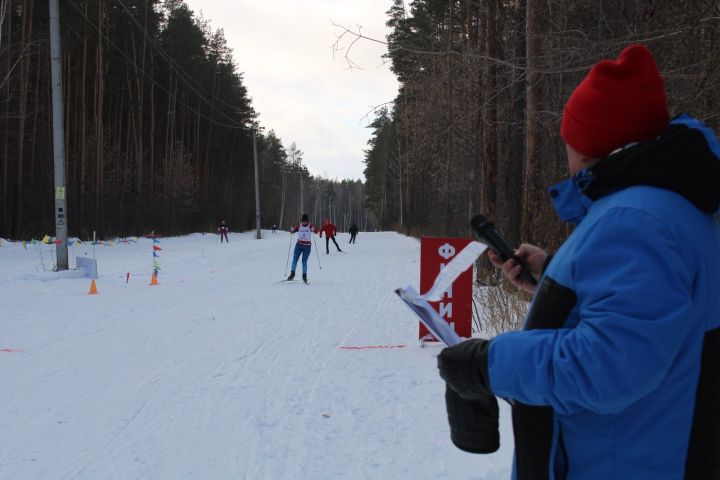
[288, 256]
[316, 253]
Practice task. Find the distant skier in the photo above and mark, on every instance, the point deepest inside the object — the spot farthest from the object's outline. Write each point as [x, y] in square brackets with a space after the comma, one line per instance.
[223, 229]
[353, 233]
[330, 231]
[303, 246]
[274, 228]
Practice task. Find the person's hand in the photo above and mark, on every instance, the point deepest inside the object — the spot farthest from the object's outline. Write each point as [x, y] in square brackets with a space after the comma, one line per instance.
[533, 258]
[464, 367]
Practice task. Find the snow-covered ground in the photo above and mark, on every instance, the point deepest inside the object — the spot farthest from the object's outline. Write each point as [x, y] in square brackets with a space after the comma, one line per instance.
[219, 372]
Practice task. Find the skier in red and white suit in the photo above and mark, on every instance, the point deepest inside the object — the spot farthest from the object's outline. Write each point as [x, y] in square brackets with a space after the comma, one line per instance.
[303, 246]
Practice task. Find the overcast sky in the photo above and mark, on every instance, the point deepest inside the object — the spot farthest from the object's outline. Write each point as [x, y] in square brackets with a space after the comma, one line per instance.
[284, 50]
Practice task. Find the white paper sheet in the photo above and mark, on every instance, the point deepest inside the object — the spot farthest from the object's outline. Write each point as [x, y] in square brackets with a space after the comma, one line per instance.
[429, 317]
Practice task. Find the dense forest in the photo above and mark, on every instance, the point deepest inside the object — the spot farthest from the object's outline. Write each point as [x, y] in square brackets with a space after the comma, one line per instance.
[159, 124]
[475, 124]
[158, 128]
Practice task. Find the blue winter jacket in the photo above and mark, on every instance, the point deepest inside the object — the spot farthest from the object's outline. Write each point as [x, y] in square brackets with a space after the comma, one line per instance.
[617, 372]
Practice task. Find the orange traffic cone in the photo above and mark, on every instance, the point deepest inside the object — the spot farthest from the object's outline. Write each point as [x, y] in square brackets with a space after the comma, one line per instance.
[93, 288]
[154, 280]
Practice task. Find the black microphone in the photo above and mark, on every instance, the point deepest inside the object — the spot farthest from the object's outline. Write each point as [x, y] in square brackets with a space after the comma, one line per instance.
[486, 233]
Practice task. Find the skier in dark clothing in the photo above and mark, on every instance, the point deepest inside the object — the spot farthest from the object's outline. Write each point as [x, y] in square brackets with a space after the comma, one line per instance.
[223, 230]
[353, 233]
[303, 246]
[330, 232]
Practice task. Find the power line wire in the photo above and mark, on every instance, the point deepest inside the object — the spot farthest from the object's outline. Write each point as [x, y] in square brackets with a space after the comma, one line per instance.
[146, 75]
[184, 76]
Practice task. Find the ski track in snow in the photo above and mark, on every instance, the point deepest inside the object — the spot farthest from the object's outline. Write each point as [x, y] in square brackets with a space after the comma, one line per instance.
[219, 373]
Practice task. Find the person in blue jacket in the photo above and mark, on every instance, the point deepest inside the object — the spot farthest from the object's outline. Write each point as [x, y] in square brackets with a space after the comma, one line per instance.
[616, 373]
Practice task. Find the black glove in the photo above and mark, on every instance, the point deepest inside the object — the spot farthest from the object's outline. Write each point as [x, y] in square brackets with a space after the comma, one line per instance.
[464, 368]
[471, 406]
[473, 424]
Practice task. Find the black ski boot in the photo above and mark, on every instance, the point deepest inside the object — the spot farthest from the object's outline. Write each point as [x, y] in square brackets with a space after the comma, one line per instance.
[305, 277]
[292, 275]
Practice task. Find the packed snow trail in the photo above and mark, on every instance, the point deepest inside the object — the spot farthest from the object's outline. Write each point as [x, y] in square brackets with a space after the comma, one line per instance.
[219, 372]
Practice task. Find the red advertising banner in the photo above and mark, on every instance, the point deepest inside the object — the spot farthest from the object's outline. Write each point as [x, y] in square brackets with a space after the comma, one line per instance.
[456, 306]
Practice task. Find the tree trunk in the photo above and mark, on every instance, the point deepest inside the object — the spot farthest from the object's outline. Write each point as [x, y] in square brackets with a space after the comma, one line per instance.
[532, 189]
[25, 38]
[6, 221]
[489, 115]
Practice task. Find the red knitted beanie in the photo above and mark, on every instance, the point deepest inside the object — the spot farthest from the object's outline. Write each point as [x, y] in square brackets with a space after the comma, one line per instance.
[619, 102]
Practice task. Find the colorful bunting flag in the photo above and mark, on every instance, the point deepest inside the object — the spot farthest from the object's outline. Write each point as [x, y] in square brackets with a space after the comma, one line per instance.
[156, 265]
[46, 239]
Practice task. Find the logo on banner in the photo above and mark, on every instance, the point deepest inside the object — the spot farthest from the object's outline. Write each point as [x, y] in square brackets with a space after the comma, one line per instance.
[446, 251]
